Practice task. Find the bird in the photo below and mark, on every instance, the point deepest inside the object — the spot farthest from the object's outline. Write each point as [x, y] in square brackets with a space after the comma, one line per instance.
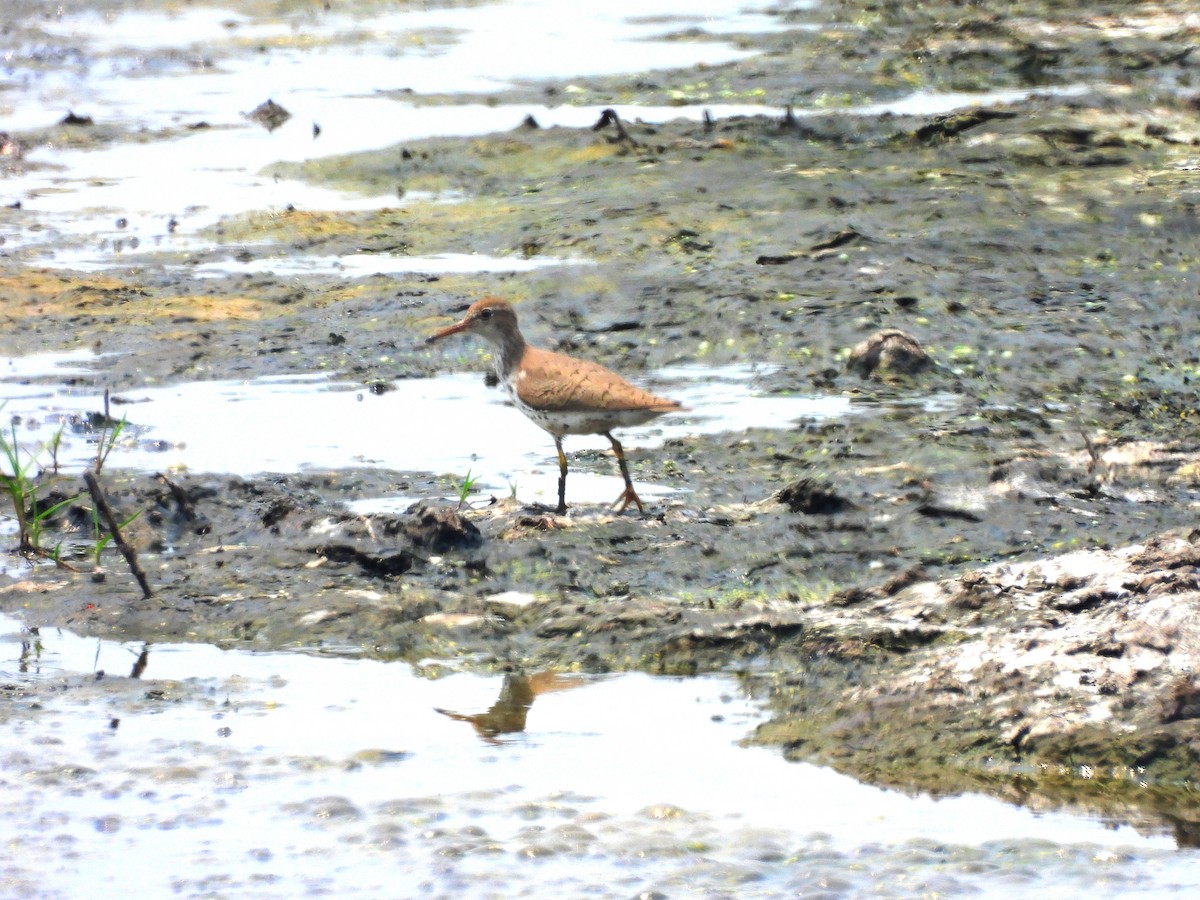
[560, 394]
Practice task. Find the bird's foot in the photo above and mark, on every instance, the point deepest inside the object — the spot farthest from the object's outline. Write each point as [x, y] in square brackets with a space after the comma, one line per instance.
[629, 496]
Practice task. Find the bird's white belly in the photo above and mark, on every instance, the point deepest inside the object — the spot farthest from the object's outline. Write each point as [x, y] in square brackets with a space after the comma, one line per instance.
[561, 422]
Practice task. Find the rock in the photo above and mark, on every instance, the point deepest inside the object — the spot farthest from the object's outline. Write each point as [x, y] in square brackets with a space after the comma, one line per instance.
[1183, 701]
[954, 124]
[378, 565]
[439, 529]
[269, 114]
[889, 351]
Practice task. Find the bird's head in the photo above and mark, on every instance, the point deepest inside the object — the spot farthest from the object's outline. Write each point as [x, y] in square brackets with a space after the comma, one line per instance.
[491, 318]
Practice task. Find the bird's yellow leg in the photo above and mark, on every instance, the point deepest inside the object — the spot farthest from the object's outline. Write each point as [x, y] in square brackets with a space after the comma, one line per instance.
[562, 477]
[629, 495]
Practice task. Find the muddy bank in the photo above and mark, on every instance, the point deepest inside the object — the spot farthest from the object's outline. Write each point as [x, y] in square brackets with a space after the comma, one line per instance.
[1066, 678]
[941, 600]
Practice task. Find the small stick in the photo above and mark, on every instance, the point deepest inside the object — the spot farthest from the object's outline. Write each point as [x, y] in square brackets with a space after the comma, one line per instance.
[610, 117]
[180, 496]
[140, 665]
[1093, 453]
[111, 520]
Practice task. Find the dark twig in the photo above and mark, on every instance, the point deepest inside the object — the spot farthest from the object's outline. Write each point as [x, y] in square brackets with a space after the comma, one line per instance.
[179, 495]
[1093, 453]
[111, 520]
[610, 117]
[140, 665]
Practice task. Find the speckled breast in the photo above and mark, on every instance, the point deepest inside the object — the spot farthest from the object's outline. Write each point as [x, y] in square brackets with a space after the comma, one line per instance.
[561, 422]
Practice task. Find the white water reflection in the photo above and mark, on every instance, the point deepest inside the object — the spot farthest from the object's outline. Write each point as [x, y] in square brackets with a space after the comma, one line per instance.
[477, 47]
[15, 371]
[357, 265]
[361, 264]
[240, 768]
[933, 103]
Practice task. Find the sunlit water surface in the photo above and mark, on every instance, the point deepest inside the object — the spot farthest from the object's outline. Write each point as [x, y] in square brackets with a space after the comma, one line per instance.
[273, 774]
[430, 425]
[168, 72]
[185, 78]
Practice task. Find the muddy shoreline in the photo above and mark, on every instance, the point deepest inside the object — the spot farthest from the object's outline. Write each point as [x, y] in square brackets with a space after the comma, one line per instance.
[969, 614]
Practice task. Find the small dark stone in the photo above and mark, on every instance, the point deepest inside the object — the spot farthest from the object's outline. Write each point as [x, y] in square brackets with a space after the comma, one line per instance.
[933, 510]
[1183, 702]
[276, 512]
[440, 529]
[381, 565]
[951, 125]
[889, 351]
[269, 114]
[808, 497]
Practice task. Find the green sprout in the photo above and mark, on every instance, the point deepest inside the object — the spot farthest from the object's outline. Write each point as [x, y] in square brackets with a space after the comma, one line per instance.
[21, 489]
[468, 485]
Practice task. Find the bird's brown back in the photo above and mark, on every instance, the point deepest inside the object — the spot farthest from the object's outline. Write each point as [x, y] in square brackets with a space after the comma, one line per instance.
[554, 382]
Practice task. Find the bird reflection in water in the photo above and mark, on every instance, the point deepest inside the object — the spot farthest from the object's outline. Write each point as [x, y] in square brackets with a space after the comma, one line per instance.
[507, 715]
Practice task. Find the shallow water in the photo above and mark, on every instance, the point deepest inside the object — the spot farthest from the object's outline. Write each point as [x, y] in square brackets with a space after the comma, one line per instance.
[366, 264]
[268, 774]
[72, 216]
[161, 74]
[420, 425]
[297, 266]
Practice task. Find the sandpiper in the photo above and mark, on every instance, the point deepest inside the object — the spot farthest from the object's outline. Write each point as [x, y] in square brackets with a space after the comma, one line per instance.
[560, 393]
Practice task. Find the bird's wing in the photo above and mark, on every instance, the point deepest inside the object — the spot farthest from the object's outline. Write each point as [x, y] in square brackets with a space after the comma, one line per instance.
[555, 382]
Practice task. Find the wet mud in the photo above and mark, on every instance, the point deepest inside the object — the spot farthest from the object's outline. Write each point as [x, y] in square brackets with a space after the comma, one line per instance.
[997, 592]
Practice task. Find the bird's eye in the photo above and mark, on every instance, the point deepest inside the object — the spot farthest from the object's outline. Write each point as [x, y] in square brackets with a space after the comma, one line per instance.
[486, 313]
